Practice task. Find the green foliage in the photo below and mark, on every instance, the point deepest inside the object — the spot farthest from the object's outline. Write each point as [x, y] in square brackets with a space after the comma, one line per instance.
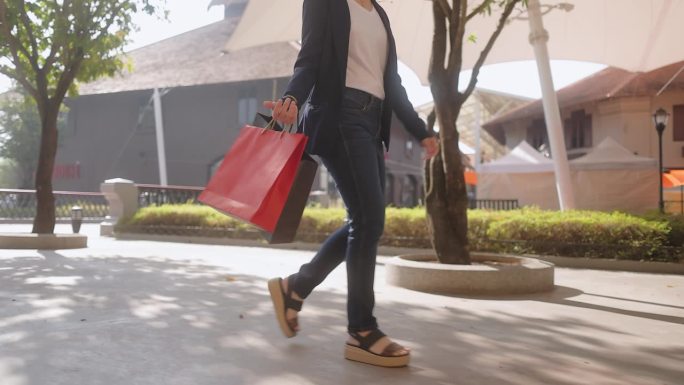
[46, 46]
[675, 225]
[578, 233]
[182, 215]
[574, 233]
[51, 43]
[8, 174]
[20, 129]
[406, 226]
[318, 222]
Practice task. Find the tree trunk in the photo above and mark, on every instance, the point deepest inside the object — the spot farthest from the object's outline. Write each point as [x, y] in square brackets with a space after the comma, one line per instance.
[44, 222]
[446, 199]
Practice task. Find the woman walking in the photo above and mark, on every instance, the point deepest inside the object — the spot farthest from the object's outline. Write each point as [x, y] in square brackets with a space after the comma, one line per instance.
[345, 79]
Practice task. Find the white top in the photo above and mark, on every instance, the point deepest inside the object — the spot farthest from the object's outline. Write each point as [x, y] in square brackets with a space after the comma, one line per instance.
[367, 50]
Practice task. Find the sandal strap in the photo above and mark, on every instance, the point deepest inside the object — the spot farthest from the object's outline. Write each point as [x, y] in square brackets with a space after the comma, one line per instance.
[366, 342]
[292, 303]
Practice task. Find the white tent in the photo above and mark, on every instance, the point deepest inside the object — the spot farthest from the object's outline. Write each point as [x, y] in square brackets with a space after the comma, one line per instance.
[611, 177]
[523, 174]
[522, 159]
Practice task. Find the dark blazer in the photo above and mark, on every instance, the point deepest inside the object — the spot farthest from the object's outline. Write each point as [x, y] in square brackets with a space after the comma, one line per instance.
[320, 76]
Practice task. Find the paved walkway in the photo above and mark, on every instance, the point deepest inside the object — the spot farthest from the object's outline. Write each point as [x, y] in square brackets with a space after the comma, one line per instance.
[138, 312]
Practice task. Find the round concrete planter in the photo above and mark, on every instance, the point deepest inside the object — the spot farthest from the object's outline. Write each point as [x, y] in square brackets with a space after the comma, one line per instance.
[489, 274]
[42, 241]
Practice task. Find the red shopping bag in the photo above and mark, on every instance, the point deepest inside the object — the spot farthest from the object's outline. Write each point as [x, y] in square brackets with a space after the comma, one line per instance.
[256, 175]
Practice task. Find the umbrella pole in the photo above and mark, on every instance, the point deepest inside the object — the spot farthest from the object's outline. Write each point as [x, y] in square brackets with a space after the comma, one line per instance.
[538, 38]
[478, 134]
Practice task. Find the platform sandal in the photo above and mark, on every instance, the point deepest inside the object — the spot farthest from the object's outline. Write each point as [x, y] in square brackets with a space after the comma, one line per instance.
[281, 302]
[362, 353]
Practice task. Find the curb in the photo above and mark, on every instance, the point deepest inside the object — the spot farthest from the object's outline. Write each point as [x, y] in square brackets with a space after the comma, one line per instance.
[386, 252]
[42, 241]
[495, 274]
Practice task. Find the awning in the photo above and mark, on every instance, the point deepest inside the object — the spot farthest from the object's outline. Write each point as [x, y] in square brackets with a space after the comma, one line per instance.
[470, 177]
[673, 178]
[636, 35]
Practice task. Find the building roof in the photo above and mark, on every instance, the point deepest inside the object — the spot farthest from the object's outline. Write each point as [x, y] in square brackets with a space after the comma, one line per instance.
[522, 159]
[492, 103]
[606, 84]
[196, 58]
[610, 154]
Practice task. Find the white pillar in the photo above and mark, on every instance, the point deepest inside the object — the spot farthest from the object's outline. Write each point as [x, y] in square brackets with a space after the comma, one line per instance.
[554, 127]
[478, 133]
[122, 196]
[161, 149]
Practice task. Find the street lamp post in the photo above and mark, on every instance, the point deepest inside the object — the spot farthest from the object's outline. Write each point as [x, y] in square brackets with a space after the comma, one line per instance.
[660, 119]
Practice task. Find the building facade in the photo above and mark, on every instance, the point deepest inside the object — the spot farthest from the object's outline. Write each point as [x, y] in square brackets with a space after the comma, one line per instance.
[611, 103]
[207, 96]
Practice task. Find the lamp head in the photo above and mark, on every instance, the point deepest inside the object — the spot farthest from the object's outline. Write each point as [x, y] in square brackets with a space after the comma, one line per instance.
[660, 119]
[76, 213]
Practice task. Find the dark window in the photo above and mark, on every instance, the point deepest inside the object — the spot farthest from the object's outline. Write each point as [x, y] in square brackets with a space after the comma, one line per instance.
[536, 134]
[247, 106]
[578, 130]
[408, 191]
[408, 149]
[389, 189]
[678, 122]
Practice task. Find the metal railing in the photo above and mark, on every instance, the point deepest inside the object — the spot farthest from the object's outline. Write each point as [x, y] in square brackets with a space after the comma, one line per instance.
[154, 195]
[494, 204]
[21, 204]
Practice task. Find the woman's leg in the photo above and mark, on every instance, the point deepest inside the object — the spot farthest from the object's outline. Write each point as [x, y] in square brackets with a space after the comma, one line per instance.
[357, 166]
[329, 256]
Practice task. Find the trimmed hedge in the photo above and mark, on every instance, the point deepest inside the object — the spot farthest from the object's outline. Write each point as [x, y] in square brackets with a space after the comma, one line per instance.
[525, 231]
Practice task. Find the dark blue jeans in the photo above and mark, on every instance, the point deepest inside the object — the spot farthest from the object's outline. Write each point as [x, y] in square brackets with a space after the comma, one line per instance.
[358, 167]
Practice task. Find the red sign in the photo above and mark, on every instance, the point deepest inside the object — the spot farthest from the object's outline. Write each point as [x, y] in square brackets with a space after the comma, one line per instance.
[67, 171]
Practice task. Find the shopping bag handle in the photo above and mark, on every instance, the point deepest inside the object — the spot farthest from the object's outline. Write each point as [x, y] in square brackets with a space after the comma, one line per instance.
[289, 128]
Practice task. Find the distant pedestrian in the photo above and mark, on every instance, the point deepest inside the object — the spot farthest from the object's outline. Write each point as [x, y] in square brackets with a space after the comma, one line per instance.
[346, 72]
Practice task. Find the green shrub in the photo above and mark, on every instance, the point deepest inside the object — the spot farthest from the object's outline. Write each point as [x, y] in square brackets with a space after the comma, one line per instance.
[579, 234]
[530, 230]
[675, 223]
[406, 227]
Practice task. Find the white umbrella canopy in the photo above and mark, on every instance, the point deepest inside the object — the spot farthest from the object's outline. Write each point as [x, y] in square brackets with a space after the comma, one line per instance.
[636, 35]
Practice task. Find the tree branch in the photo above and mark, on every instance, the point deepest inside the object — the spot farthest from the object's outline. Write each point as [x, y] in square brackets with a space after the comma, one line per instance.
[479, 9]
[439, 42]
[431, 119]
[483, 55]
[23, 16]
[456, 55]
[67, 77]
[21, 79]
[446, 10]
[14, 44]
[113, 13]
[54, 47]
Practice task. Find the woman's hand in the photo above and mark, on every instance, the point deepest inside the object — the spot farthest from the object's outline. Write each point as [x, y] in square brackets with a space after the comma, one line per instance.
[285, 110]
[431, 147]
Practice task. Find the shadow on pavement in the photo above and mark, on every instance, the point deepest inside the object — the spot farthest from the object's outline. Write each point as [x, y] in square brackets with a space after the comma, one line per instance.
[118, 320]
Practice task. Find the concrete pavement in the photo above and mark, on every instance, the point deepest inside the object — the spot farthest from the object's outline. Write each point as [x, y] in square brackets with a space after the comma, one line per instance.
[140, 312]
